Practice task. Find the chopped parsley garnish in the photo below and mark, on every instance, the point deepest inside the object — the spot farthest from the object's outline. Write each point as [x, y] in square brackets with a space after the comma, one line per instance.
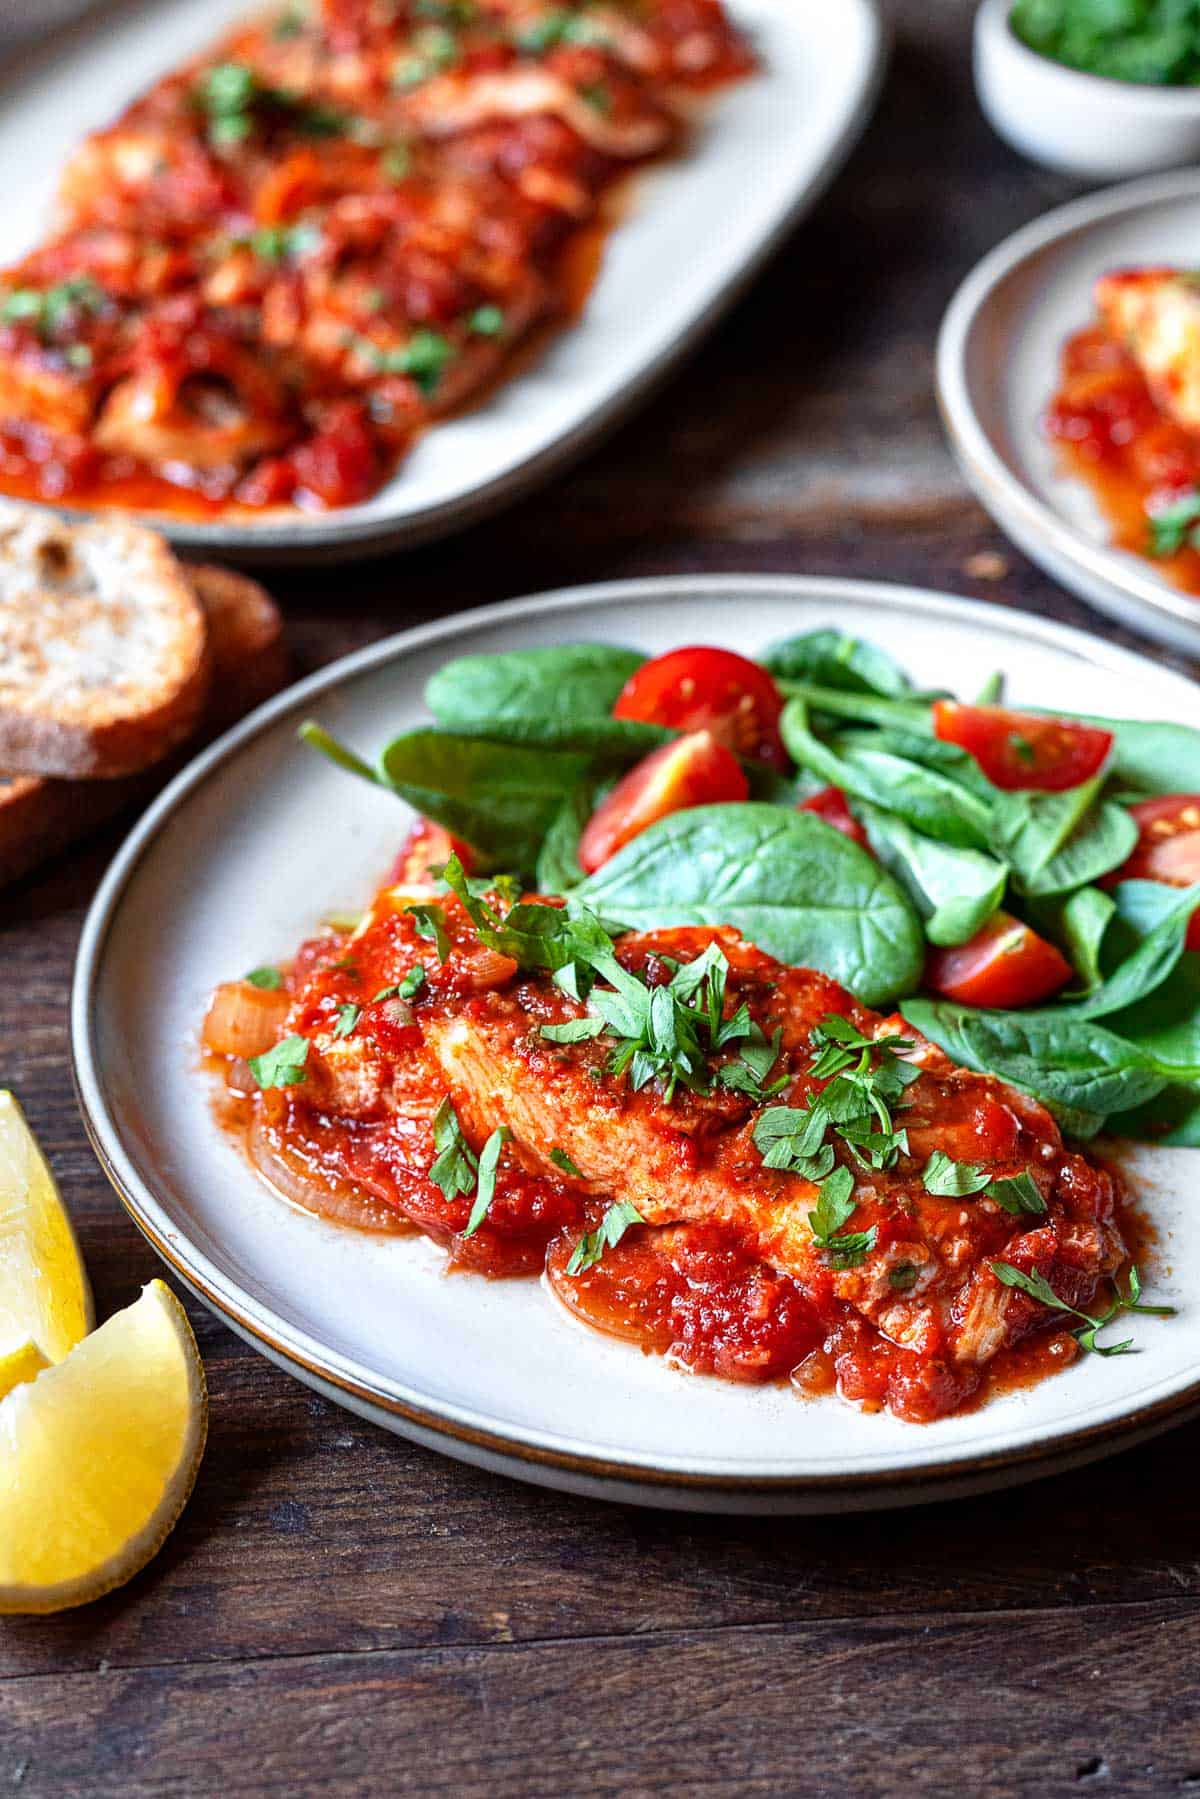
[574, 1030]
[1175, 526]
[1038, 1287]
[835, 1205]
[413, 981]
[434, 51]
[562, 1160]
[47, 310]
[429, 921]
[1017, 1195]
[947, 1179]
[902, 1278]
[423, 358]
[486, 321]
[455, 1167]
[282, 243]
[489, 1159]
[597, 95]
[231, 95]
[268, 978]
[348, 1016]
[560, 26]
[608, 1233]
[283, 1065]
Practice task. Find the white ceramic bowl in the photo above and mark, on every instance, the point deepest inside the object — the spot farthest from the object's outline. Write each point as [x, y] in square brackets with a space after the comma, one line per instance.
[1077, 124]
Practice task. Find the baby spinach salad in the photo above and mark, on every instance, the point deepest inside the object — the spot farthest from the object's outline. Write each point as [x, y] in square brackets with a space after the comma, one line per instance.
[1151, 42]
[1025, 887]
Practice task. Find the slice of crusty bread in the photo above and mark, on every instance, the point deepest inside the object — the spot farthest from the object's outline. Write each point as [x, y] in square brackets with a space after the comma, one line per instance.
[39, 817]
[103, 646]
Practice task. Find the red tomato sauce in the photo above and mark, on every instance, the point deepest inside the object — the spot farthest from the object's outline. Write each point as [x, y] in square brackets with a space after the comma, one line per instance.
[1113, 435]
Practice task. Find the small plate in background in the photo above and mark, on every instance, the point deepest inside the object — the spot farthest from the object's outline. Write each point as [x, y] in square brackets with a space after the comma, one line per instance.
[998, 369]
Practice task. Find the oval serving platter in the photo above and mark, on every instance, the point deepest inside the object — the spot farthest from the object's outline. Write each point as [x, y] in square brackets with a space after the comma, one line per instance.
[259, 839]
[997, 369]
[692, 233]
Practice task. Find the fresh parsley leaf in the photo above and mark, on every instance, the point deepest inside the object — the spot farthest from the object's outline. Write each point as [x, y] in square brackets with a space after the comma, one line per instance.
[1172, 528]
[792, 1138]
[835, 1205]
[1018, 1194]
[348, 1016]
[413, 981]
[268, 978]
[489, 1159]
[947, 1179]
[486, 321]
[902, 1277]
[430, 921]
[562, 1160]
[283, 1065]
[455, 1167]
[1037, 1287]
[574, 1030]
[612, 1227]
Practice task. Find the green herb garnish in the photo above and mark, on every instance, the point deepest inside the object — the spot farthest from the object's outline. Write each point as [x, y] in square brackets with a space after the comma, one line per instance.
[608, 1233]
[1038, 1287]
[429, 920]
[268, 978]
[348, 1016]
[489, 1159]
[835, 1205]
[562, 1160]
[282, 1066]
[456, 1166]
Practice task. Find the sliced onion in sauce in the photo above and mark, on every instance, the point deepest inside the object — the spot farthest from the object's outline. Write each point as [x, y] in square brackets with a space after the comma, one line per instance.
[244, 1020]
[288, 1171]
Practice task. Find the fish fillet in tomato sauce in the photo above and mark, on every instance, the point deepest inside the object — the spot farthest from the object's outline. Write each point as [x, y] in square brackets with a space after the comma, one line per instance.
[725, 1274]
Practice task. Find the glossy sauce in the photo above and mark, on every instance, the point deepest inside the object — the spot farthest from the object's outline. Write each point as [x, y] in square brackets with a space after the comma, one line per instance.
[1113, 435]
[696, 1293]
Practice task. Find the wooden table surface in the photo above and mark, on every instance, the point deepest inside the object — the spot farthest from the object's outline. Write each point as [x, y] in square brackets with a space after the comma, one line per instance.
[341, 1612]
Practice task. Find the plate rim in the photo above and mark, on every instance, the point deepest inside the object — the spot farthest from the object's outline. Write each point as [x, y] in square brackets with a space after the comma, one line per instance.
[989, 475]
[326, 538]
[457, 1429]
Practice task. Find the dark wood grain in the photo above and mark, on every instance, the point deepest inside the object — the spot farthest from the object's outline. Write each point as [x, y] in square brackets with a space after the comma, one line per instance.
[341, 1612]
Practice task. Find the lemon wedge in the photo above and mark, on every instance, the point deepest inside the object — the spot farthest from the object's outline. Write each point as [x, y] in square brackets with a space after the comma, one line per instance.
[98, 1456]
[45, 1301]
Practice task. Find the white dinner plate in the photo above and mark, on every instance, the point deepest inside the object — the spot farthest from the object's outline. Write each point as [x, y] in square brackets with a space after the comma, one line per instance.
[692, 233]
[260, 838]
[997, 369]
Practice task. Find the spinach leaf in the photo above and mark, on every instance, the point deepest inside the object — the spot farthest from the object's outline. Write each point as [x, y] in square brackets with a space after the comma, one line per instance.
[558, 867]
[832, 659]
[955, 890]
[1151, 757]
[557, 698]
[1166, 1023]
[568, 681]
[1055, 842]
[1077, 922]
[1074, 1066]
[1172, 1119]
[943, 758]
[925, 799]
[1155, 920]
[501, 801]
[788, 881]
[905, 714]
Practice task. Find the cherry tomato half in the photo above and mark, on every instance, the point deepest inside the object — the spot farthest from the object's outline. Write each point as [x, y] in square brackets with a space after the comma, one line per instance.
[701, 689]
[1004, 964]
[830, 804]
[1019, 749]
[693, 771]
[1168, 848]
[427, 846]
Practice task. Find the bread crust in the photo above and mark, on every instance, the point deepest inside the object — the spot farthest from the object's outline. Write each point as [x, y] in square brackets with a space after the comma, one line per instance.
[104, 664]
[39, 817]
